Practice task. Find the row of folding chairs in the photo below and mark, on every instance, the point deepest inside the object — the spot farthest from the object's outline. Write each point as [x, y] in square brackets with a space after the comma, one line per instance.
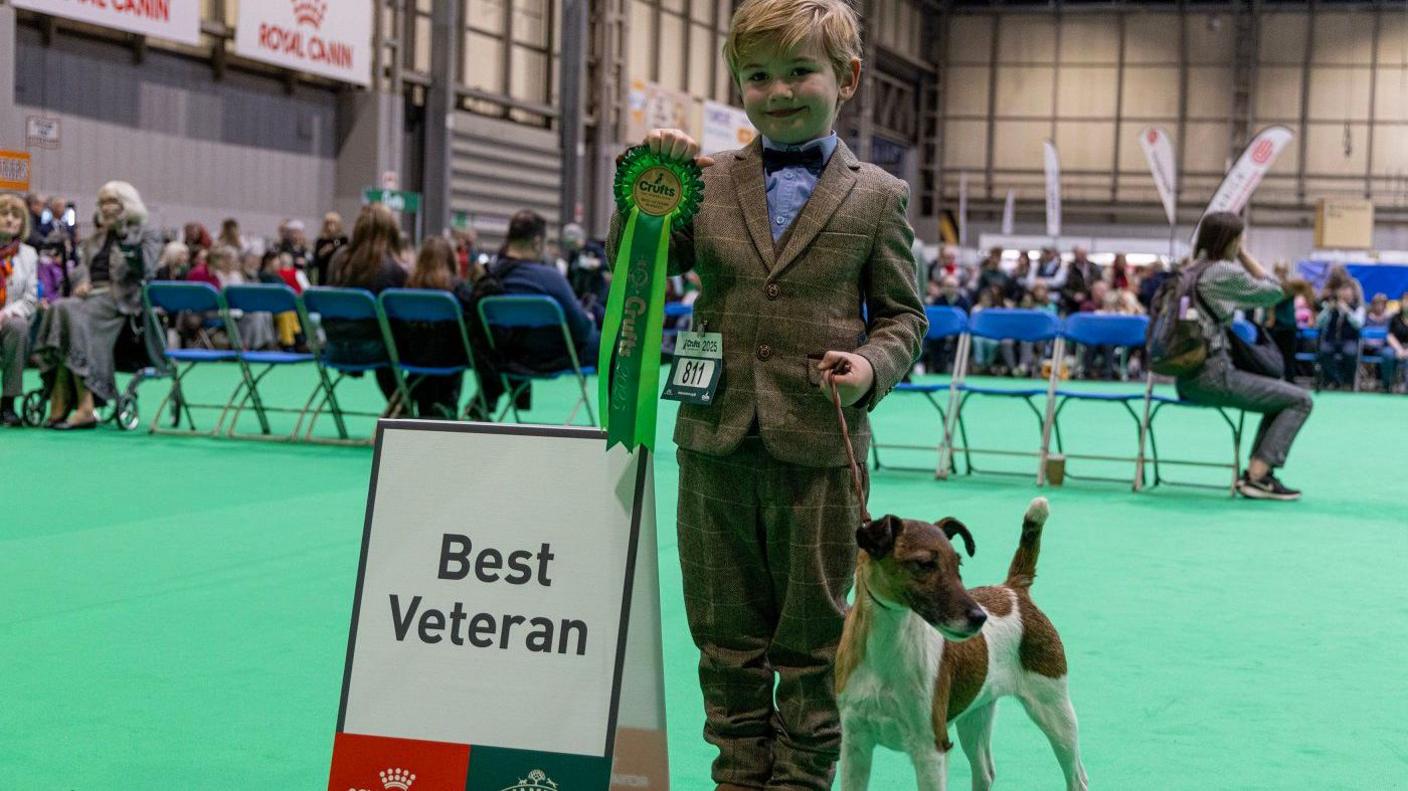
[1370, 353]
[327, 316]
[1040, 327]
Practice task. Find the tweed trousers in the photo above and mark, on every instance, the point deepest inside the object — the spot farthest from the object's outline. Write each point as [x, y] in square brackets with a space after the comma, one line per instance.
[768, 553]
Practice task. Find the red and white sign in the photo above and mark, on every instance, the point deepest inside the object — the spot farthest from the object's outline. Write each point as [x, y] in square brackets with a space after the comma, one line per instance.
[176, 20]
[1245, 176]
[322, 37]
[1158, 150]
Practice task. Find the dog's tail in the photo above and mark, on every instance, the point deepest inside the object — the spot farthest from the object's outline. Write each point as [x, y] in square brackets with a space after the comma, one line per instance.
[1023, 569]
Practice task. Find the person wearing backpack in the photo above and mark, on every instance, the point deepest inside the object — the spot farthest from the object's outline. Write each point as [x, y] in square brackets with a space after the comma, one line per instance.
[1223, 279]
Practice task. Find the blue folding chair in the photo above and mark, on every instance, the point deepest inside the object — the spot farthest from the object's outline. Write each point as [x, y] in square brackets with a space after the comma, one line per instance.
[261, 298]
[944, 322]
[511, 312]
[1372, 343]
[1309, 338]
[1245, 330]
[171, 298]
[341, 316]
[1092, 329]
[999, 324]
[404, 306]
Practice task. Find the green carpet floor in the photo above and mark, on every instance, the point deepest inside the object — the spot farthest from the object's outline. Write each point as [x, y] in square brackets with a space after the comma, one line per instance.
[175, 610]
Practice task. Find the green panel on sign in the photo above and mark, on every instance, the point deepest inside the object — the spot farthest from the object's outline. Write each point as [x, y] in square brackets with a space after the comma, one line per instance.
[395, 200]
[503, 769]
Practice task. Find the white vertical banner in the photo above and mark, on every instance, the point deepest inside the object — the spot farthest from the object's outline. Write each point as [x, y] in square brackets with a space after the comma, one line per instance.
[322, 37]
[963, 209]
[1053, 190]
[1009, 211]
[1158, 150]
[1246, 173]
[175, 20]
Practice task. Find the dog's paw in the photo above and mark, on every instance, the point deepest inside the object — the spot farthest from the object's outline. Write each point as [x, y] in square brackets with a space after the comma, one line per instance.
[1037, 511]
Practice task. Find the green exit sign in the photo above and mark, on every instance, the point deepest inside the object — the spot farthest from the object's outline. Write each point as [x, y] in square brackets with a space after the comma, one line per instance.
[395, 200]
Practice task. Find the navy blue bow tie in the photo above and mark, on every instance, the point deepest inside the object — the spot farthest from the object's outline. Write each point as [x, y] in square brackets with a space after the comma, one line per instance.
[809, 158]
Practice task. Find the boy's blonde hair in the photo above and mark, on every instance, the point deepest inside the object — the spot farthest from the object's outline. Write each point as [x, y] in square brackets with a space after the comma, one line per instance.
[788, 23]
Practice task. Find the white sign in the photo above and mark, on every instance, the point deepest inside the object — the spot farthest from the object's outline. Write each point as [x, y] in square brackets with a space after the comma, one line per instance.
[41, 132]
[1245, 176]
[1053, 189]
[176, 20]
[1158, 150]
[497, 572]
[725, 128]
[322, 37]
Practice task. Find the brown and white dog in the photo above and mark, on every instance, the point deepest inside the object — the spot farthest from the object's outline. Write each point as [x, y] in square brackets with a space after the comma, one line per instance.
[919, 651]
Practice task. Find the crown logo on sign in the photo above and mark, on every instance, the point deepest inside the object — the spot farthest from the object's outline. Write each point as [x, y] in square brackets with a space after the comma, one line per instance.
[399, 779]
[537, 780]
[310, 12]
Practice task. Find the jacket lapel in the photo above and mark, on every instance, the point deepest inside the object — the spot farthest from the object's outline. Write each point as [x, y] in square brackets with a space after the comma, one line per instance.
[831, 190]
[751, 189]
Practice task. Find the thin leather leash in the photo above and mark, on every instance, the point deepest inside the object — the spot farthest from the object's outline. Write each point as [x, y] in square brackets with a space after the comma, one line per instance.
[843, 368]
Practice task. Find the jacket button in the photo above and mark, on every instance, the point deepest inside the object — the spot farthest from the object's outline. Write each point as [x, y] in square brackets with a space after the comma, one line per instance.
[764, 352]
[773, 290]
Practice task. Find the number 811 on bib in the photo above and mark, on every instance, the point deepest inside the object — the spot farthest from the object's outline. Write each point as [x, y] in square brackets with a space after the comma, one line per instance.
[697, 368]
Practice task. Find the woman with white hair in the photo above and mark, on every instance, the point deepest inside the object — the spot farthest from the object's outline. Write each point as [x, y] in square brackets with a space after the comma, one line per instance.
[77, 335]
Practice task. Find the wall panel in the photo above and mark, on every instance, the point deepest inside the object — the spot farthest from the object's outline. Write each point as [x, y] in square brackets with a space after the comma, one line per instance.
[1343, 37]
[1151, 37]
[1026, 39]
[1391, 95]
[1087, 91]
[1339, 94]
[1025, 90]
[1325, 149]
[1151, 91]
[966, 144]
[967, 90]
[1086, 146]
[1282, 38]
[1017, 144]
[1087, 39]
[1210, 37]
[970, 39]
[1209, 92]
[1278, 93]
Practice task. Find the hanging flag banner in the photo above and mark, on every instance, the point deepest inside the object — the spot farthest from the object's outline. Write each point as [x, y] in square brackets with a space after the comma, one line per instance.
[501, 639]
[725, 128]
[1246, 174]
[1053, 190]
[1158, 150]
[963, 209]
[654, 195]
[332, 40]
[1009, 212]
[174, 20]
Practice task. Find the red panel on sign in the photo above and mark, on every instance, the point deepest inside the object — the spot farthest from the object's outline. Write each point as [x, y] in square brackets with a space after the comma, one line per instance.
[379, 763]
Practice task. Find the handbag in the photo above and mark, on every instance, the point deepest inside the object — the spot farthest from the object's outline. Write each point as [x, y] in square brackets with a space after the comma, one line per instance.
[1262, 358]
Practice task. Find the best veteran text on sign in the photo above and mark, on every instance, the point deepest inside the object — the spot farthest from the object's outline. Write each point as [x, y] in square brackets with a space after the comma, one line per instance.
[488, 635]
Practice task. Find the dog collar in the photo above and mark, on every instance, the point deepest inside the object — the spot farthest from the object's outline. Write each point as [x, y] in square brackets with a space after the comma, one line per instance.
[878, 603]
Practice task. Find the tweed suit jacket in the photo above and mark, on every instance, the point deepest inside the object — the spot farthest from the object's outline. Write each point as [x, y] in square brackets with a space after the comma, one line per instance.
[781, 305]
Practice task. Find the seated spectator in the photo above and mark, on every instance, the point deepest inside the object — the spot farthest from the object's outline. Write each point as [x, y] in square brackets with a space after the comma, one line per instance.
[200, 268]
[38, 227]
[1396, 348]
[522, 270]
[230, 236]
[587, 270]
[990, 274]
[196, 237]
[293, 240]
[1120, 279]
[1031, 353]
[368, 262]
[436, 397]
[938, 354]
[1340, 322]
[1052, 270]
[1153, 278]
[986, 350]
[1377, 315]
[78, 335]
[19, 298]
[1021, 279]
[174, 263]
[1081, 278]
[1097, 362]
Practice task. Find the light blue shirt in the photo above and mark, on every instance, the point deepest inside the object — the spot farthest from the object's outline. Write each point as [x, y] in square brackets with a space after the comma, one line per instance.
[789, 188]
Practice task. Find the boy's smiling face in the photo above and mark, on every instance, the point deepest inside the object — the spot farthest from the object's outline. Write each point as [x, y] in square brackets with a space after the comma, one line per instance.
[792, 95]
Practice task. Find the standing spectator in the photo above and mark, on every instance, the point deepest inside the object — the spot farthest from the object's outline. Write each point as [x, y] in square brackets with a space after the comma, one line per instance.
[230, 236]
[467, 256]
[368, 262]
[1235, 281]
[19, 297]
[331, 238]
[77, 335]
[1119, 274]
[196, 237]
[294, 241]
[1021, 278]
[174, 263]
[1080, 280]
[1340, 322]
[1396, 348]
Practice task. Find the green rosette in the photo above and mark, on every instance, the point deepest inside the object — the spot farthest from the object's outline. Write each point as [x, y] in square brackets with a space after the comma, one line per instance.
[654, 196]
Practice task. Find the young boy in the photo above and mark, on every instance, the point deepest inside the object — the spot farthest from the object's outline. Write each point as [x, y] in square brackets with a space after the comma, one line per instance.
[794, 239]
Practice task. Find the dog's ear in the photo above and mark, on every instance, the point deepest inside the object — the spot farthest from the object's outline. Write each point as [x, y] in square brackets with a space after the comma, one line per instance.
[877, 537]
[952, 527]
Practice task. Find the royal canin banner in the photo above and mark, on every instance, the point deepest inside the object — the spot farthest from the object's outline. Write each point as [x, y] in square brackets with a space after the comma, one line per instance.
[175, 20]
[1245, 176]
[329, 38]
[1158, 150]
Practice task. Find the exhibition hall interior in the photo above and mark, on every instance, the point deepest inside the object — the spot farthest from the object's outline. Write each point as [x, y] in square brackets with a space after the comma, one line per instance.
[626, 395]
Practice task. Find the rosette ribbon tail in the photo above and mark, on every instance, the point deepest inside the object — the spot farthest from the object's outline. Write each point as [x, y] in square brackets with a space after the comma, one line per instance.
[631, 334]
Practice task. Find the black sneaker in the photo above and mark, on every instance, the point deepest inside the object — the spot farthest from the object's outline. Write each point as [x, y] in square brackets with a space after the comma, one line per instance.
[10, 419]
[1266, 488]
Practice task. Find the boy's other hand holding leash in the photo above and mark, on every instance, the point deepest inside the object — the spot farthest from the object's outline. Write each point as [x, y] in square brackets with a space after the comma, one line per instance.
[852, 374]
[676, 144]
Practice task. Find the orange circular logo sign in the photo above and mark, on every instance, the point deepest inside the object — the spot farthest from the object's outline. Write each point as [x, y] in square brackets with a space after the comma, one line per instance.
[657, 191]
